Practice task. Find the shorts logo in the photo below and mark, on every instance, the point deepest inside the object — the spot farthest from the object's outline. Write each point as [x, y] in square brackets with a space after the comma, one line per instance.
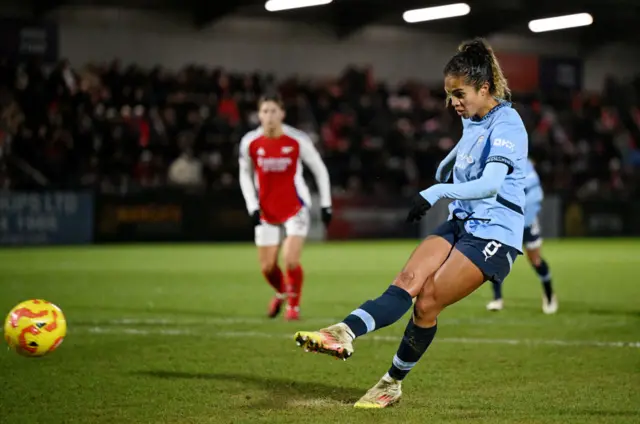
[491, 249]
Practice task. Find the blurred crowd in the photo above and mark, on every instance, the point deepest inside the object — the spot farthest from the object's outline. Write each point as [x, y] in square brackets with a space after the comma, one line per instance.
[121, 129]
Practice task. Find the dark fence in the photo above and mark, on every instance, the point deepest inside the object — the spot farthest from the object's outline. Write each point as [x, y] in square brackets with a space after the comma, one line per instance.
[601, 219]
[46, 218]
[369, 217]
[172, 216]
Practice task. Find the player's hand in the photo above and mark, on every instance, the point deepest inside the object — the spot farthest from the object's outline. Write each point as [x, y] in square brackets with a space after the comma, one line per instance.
[255, 218]
[418, 209]
[327, 215]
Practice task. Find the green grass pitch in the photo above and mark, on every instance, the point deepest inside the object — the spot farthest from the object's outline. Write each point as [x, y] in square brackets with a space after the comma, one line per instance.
[177, 334]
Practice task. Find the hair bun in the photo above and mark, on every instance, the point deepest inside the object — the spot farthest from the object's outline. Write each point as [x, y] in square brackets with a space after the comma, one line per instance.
[477, 49]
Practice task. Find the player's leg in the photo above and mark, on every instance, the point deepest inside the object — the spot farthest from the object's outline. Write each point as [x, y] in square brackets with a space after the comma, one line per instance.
[531, 236]
[291, 252]
[456, 279]
[549, 300]
[267, 239]
[472, 262]
[497, 303]
[391, 305]
[296, 229]
[533, 246]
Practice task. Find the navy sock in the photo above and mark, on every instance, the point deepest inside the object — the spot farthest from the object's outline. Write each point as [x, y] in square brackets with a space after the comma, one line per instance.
[381, 312]
[497, 290]
[545, 277]
[414, 344]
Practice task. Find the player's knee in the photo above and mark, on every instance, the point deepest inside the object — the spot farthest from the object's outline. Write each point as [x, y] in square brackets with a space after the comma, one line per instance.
[407, 280]
[427, 307]
[291, 260]
[267, 266]
[426, 313]
[534, 257]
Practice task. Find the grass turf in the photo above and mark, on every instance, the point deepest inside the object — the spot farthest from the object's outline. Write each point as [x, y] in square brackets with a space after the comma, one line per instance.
[177, 334]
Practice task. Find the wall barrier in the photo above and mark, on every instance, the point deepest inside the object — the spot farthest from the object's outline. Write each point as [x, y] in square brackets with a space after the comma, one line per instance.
[46, 218]
[62, 217]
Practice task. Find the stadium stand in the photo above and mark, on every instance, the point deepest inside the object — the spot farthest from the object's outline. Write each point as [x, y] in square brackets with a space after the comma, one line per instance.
[119, 128]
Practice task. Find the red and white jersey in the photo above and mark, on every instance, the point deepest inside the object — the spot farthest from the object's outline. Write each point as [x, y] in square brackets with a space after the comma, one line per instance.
[273, 166]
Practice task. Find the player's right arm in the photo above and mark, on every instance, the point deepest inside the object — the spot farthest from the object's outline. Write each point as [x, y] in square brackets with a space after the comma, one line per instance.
[246, 178]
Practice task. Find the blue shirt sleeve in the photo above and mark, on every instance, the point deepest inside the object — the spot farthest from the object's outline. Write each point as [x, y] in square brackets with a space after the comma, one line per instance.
[508, 142]
[486, 186]
[443, 173]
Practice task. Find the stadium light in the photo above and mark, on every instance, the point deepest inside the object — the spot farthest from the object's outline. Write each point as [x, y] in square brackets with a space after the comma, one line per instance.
[437, 12]
[278, 5]
[561, 22]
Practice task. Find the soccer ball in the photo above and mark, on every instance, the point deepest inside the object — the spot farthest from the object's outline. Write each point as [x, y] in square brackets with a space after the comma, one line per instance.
[35, 328]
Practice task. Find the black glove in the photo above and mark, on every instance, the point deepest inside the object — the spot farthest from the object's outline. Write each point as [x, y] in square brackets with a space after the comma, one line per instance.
[327, 214]
[255, 218]
[418, 209]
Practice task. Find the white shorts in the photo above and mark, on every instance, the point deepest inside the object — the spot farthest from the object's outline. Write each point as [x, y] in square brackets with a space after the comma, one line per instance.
[271, 235]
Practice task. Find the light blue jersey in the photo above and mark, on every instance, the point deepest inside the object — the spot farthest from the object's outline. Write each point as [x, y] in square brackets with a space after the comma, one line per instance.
[534, 195]
[500, 136]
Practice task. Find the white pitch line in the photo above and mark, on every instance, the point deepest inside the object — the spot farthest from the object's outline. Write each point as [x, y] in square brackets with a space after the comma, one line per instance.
[394, 339]
[246, 320]
[197, 321]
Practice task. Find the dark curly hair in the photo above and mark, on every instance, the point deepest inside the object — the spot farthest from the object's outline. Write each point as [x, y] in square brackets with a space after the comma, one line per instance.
[477, 64]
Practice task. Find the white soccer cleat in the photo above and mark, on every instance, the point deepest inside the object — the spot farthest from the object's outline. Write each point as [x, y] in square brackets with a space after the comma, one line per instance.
[386, 393]
[334, 341]
[495, 305]
[549, 307]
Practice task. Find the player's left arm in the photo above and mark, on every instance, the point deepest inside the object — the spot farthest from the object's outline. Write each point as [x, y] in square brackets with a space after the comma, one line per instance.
[311, 158]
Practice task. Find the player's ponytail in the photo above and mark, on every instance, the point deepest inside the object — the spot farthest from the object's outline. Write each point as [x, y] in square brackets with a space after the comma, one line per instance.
[476, 62]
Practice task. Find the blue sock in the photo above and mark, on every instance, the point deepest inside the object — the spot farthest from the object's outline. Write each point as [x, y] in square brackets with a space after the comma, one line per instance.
[545, 277]
[381, 312]
[497, 290]
[415, 342]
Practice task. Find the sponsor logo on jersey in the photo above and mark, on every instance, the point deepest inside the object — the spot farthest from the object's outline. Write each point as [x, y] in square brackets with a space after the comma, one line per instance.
[500, 142]
[274, 164]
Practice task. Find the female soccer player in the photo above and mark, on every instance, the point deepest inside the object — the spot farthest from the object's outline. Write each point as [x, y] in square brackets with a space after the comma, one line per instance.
[479, 242]
[532, 244]
[271, 157]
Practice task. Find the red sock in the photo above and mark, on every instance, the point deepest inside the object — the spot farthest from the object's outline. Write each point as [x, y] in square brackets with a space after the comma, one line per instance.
[275, 279]
[294, 286]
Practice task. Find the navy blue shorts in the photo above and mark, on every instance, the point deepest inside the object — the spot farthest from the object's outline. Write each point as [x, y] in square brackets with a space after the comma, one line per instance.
[492, 257]
[532, 238]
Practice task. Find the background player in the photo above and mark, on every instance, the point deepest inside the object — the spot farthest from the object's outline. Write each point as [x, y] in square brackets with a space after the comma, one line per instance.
[479, 242]
[532, 244]
[270, 161]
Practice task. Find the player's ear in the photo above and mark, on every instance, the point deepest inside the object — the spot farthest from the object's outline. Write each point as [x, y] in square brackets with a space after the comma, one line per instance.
[484, 88]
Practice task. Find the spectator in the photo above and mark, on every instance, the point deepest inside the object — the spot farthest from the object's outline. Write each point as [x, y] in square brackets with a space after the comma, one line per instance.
[118, 128]
[186, 171]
